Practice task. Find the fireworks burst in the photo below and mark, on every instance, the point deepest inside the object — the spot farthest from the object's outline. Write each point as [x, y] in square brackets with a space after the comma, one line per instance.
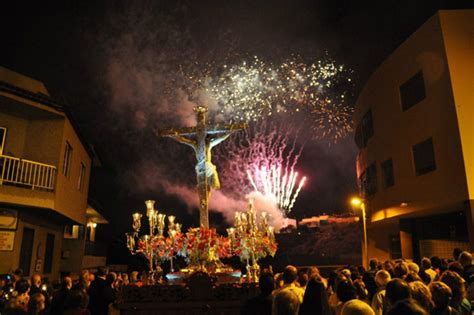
[263, 159]
[277, 186]
[251, 91]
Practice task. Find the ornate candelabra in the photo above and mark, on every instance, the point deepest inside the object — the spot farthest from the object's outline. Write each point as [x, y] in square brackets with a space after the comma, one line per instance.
[252, 240]
[155, 242]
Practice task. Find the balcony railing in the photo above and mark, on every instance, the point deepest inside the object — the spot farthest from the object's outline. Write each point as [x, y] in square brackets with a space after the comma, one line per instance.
[20, 172]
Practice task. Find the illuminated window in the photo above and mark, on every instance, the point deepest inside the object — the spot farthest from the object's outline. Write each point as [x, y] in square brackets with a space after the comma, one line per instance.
[67, 159]
[3, 135]
[387, 172]
[412, 91]
[82, 174]
[424, 157]
[368, 181]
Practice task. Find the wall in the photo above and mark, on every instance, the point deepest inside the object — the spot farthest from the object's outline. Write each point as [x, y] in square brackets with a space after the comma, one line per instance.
[395, 131]
[69, 200]
[43, 140]
[74, 250]
[10, 260]
[16, 134]
[458, 31]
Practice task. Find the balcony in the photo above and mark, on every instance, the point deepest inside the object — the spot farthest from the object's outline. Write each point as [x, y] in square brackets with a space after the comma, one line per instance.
[27, 174]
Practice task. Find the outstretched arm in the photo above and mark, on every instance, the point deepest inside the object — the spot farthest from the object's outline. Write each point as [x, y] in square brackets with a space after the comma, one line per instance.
[183, 140]
[218, 140]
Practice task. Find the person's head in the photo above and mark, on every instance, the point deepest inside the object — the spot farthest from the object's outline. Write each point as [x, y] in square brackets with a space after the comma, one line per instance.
[17, 274]
[346, 291]
[290, 274]
[125, 277]
[356, 307]
[396, 290]
[436, 262]
[134, 277]
[22, 286]
[441, 295]
[400, 270]
[412, 276]
[266, 283]
[421, 294]
[457, 267]
[36, 280]
[373, 264]
[312, 272]
[455, 283]
[413, 267]
[426, 263]
[456, 252]
[302, 279]
[315, 298]
[110, 278]
[407, 307]
[465, 258]
[66, 284]
[37, 303]
[85, 276]
[361, 289]
[382, 277]
[101, 272]
[285, 302]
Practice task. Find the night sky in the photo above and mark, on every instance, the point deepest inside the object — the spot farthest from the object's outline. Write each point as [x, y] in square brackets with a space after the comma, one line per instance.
[107, 61]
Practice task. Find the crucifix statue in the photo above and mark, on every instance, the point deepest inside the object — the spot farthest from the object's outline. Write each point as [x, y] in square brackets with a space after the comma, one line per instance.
[202, 138]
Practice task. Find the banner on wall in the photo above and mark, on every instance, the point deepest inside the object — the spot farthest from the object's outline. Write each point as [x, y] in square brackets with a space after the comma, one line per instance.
[8, 219]
[7, 240]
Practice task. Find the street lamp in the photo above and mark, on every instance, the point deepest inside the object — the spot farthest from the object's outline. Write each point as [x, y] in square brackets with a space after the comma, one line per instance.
[357, 202]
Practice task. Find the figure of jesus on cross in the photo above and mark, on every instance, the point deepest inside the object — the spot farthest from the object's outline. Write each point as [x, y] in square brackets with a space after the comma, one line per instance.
[202, 138]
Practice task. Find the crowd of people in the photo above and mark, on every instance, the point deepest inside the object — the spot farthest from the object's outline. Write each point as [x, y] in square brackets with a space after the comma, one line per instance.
[395, 287]
[434, 286]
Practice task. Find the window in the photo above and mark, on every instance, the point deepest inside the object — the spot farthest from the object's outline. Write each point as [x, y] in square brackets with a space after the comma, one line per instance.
[49, 254]
[82, 174]
[3, 135]
[387, 172]
[368, 181]
[424, 158]
[367, 127]
[67, 159]
[26, 252]
[412, 91]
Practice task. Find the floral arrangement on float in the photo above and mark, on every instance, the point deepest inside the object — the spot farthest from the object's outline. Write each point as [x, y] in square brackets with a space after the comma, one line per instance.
[250, 239]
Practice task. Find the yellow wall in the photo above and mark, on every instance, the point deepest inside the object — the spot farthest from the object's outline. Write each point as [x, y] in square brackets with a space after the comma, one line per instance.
[43, 140]
[458, 31]
[395, 131]
[16, 134]
[10, 260]
[69, 200]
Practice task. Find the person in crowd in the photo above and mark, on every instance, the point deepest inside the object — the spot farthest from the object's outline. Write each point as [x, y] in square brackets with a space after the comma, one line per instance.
[465, 259]
[456, 252]
[457, 267]
[388, 265]
[37, 287]
[422, 295]
[315, 300]
[396, 290]
[22, 287]
[76, 303]
[290, 274]
[262, 303]
[134, 279]
[361, 291]
[412, 276]
[458, 289]
[400, 270]
[345, 291]
[426, 264]
[442, 295]
[413, 267]
[125, 279]
[407, 307]
[285, 302]
[302, 279]
[356, 307]
[436, 264]
[84, 281]
[369, 278]
[382, 277]
[95, 292]
[37, 304]
[61, 296]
